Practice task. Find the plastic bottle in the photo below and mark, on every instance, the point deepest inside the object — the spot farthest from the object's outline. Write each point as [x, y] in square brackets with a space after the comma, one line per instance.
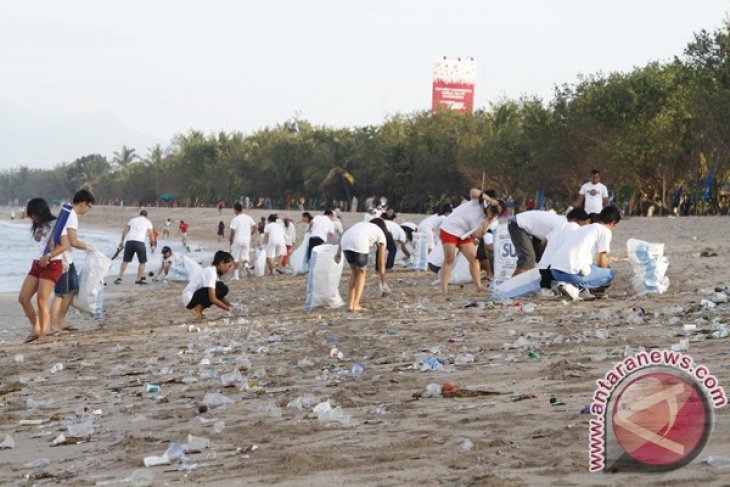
[431, 363]
[151, 387]
[357, 369]
[57, 368]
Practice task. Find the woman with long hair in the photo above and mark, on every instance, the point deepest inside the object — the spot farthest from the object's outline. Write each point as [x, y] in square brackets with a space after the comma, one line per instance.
[46, 269]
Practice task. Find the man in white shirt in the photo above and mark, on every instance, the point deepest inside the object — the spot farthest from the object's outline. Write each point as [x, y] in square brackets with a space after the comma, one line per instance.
[396, 238]
[527, 231]
[68, 285]
[242, 229]
[576, 218]
[274, 243]
[594, 194]
[431, 225]
[133, 240]
[580, 262]
[321, 229]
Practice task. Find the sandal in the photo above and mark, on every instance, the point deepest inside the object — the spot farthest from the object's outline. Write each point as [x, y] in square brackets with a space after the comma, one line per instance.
[30, 338]
[140, 282]
[70, 328]
[118, 280]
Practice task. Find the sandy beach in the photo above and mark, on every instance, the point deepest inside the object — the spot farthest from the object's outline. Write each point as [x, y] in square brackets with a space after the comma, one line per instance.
[386, 434]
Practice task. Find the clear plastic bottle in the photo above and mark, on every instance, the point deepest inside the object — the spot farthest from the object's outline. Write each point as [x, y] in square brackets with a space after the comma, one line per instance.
[57, 368]
[357, 369]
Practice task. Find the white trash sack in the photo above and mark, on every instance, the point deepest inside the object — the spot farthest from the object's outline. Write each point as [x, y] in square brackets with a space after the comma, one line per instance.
[520, 285]
[323, 280]
[91, 282]
[298, 258]
[650, 266]
[419, 256]
[259, 263]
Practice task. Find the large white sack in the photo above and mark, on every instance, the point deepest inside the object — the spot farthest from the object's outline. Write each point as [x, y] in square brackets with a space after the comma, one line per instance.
[298, 258]
[91, 282]
[323, 280]
[505, 255]
[650, 266]
[190, 266]
[436, 257]
[520, 285]
[259, 262]
[460, 273]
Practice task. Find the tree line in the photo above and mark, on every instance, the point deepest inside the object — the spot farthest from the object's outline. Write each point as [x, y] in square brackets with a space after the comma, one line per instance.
[660, 135]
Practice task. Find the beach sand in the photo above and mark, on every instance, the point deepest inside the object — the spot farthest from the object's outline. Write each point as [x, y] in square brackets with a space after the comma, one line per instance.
[393, 436]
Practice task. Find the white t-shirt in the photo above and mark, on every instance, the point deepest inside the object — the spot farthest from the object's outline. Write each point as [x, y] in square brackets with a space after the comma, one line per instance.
[539, 223]
[361, 236]
[594, 194]
[276, 233]
[398, 234]
[432, 222]
[206, 278]
[41, 237]
[554, 239]
[465, 219]
[138, 228]
[291, 233]
[72, 222]
[579, 249]
[242, 225]
[321, 226]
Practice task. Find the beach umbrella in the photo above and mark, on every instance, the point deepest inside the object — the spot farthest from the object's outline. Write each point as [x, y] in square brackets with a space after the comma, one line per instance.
[168, 197]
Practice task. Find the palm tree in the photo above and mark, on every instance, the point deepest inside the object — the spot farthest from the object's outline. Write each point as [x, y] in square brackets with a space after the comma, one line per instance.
[124, 158]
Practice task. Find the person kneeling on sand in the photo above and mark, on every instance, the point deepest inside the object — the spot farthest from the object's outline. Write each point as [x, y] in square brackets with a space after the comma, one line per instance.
[356, 243]
[205, 288]
[572, 264]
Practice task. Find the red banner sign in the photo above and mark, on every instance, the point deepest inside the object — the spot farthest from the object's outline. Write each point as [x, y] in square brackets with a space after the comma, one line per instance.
[453, 84]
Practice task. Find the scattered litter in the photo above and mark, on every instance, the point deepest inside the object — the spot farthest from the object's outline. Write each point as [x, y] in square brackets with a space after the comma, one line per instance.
[40, 463]
[59, 440]
[357, 369]
[707, 304]
[81, 430]
[19, 358]
[721, 332]
[305, 363]
[141, 478]
[466, 446]
[232, 378]
[327, 414]
[522, 397]
[682, 346]
[57, 368]
[336, 354]
[586, 409]
[8, 443]
[554, 401]
[432, 390]
[305, 401]
[197, 444]
[431, 364]
[717, 461]
[216, 399]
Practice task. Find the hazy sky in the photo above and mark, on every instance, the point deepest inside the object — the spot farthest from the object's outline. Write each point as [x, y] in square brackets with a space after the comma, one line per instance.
[163, 67]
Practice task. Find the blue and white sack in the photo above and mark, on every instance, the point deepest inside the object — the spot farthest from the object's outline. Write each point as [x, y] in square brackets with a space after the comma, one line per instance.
[650, 266]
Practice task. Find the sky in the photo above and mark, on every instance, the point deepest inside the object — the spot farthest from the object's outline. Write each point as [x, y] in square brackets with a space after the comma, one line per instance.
[160, 67]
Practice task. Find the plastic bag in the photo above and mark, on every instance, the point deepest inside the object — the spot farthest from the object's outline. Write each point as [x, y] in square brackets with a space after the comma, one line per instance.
[259, 263]
[323, 280]
[419, 256]
[191, 267]
[91, 282]
[298, 258]
[520, 285]
[460, 273]
[650, 266]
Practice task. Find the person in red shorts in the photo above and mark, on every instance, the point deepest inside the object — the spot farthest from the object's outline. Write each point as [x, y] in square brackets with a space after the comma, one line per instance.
[184, 233]
[466, 221]
[46, 269]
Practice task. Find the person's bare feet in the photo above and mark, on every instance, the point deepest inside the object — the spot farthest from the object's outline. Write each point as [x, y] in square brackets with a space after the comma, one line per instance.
[41, 340]
[359, 308]
[198, 314]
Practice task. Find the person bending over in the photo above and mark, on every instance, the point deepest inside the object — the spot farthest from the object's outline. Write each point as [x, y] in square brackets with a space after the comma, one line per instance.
[205, 288]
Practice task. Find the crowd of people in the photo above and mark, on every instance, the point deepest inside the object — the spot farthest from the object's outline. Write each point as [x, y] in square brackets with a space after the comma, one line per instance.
[570, 251]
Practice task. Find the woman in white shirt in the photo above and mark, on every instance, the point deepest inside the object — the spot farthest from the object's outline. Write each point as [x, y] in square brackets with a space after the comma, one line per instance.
[46, 270]
[355, 244]
[466, 221]
[205, 288]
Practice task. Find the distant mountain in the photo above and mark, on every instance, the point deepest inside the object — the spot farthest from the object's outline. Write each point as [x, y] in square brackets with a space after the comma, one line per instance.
[44, 140]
